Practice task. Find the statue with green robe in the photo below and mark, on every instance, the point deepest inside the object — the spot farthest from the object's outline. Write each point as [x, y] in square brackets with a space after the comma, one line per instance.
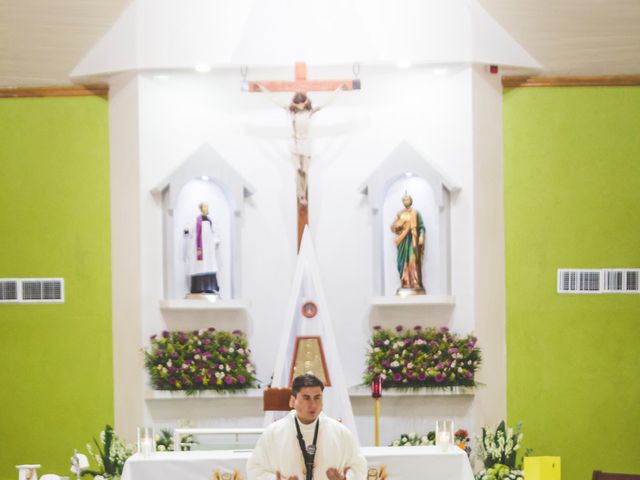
[410, 242]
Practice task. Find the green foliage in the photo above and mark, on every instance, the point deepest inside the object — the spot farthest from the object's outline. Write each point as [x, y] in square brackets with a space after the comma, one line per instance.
[111, 454]
[422, 358]
[498, 450]
[164, 441]
[200, 360]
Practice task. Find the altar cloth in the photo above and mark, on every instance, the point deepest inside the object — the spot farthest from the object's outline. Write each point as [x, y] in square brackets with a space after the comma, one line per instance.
[402, 463]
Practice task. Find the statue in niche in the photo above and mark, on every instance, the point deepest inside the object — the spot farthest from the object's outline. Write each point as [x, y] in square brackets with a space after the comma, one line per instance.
[202, 246]
[410, 242]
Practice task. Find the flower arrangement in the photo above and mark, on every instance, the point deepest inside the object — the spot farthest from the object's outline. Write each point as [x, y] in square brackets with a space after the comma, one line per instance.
[497, 449]
[164, 441]
[110, 457]
[461, 439]
[200, 360]
[422, 358]
[413, 439]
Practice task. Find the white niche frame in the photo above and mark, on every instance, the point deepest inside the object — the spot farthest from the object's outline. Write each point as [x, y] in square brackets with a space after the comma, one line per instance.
[204, 163]
[405, 162]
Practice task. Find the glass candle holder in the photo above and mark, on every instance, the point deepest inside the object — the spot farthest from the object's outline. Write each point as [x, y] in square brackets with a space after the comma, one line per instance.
[146, 441]
[444, 434]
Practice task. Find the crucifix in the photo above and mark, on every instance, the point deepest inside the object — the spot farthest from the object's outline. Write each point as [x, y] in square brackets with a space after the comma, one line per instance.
[300, 111]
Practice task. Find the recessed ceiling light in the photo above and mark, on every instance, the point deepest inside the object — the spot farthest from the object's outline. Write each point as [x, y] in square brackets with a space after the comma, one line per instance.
[403, 63]
[204, 177]
[408, 174]
[440, 71]
[161, 77]
[203, 68]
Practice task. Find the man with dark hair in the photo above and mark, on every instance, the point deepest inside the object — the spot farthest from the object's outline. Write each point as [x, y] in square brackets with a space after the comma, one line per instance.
[306, 444]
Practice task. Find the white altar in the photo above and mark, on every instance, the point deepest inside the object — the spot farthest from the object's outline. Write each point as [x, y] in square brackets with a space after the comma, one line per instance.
[402, 463]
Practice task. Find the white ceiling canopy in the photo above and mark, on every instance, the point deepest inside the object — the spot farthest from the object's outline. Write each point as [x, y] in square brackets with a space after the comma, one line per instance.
[173, 35]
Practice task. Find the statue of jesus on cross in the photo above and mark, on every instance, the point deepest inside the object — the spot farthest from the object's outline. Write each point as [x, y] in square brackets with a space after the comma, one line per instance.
[300, 110]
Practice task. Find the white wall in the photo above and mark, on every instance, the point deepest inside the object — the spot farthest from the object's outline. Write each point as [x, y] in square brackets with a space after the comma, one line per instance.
[432, 111]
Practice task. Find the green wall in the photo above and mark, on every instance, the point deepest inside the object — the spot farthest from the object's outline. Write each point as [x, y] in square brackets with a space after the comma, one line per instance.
[56, 382]
[572, 200]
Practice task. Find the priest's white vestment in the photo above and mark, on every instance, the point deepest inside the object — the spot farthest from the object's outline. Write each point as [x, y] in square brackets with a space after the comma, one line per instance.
[278, 450]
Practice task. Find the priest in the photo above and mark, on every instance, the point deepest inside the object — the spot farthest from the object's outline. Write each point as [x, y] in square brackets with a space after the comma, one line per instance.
[306, 444]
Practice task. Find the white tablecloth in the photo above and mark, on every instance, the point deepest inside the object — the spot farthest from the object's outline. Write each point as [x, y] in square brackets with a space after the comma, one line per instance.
[403, 463]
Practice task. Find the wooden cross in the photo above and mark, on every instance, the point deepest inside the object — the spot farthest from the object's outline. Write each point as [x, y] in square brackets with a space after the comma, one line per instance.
[302, 85]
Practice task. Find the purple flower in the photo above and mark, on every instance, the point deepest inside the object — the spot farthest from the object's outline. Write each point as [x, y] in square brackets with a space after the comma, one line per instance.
[417, 328]
[386, 363]
[211, 329]
[439, 378]
[206, 341]
[195, 332]
[165, 334]
[408, 341]
[444, 329]
[159, 353]
[222, 350]
[228, 379]
[453, 350]
[397, 377]
[232, 366]
[171, 369]
[379, 343]
[197, 350]
[198, 379]
[241, 379]
[470, 345]
[174, 354]
[468, 374]
[153, 337]
[399, 328]
[237, 332]
[433, 343]
[422, 377]
[440, 365]
[377, 327]
[182, 338]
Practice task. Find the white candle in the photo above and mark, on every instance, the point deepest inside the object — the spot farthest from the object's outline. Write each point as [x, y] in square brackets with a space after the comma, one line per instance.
[444, 440]
[145, 446]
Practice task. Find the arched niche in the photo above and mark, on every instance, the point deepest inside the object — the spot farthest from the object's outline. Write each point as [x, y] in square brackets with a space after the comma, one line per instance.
[204, 177]
[406, 170]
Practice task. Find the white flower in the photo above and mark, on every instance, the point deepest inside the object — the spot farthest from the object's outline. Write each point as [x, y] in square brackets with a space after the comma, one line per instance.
[395, 364]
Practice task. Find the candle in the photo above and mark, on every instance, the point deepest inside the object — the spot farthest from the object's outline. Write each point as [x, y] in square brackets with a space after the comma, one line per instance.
[146, 446]
[376, 387]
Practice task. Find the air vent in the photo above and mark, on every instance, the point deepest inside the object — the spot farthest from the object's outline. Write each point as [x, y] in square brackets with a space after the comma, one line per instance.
[579, 281]
[32, 290]
[8, 290]
[607, 280]
[623, 280]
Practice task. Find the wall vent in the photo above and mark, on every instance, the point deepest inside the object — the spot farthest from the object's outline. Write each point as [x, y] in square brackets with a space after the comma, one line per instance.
[8, 290]
[622, 280]
[32, 290]
[606, 280]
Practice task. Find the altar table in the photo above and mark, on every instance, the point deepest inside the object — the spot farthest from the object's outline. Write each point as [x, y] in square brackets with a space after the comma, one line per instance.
[402, 463]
